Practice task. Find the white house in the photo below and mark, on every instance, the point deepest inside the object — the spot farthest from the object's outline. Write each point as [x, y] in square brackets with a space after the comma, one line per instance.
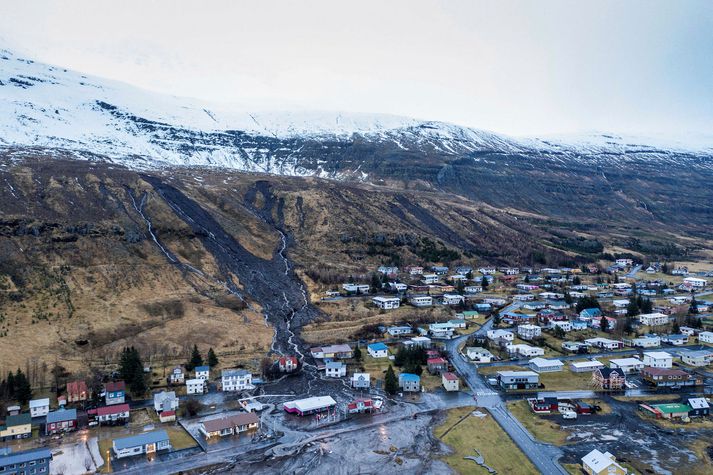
[478, 354]
[356, 288]
[584, 366]
[695, 282]
[624, 262]
[646, 341]
[360, 381]
[177, 376]
[705, 337]
[335, 369]
[597, 463]
[165, 401]
[441, 330]
[421, 300]
[676, 340]
[202, 372]
[378, 350]
[415, 270]
[504, 334]
[697, 357]
[565, 325]
[236, 380]
[627, 365]
[452, 299]
[688, 331]
[528, 332]
[525, 351]
[39, 407]
[473, 289]
[429, 279]
[658, 359]
[605, 343]
[195, 386]
[653, 319]
[543, 365]
[386, 303]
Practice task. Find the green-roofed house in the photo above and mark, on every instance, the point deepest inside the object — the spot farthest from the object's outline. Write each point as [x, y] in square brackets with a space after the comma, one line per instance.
[673, 410]
[468, 314]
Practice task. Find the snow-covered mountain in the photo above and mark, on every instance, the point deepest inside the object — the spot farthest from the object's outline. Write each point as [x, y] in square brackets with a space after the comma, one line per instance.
[51, 107]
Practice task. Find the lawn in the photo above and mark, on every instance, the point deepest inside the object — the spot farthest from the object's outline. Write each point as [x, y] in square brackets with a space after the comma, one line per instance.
[566, 380]
[542, 428]
[464, 433]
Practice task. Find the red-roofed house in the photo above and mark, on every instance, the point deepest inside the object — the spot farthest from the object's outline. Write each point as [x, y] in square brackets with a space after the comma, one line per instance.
[450, 381]
[111, 415]
[167, 416]
[77, 391]
[437, 365]
[287, 364]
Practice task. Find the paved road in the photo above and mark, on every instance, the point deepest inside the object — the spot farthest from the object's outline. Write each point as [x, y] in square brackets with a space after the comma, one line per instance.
[543, 456]
[634, 270]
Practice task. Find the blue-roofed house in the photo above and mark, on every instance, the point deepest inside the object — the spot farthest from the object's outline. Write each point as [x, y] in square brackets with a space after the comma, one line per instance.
[590, 313]
[378, 350]
[62, 420]
[202, 372]
[578, 325]
[34, 461]
[483, 307]
[146, 443]
[409, 382]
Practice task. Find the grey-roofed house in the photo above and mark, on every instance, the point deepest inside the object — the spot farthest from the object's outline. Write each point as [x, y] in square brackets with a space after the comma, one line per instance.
[26, 462]
[62, 420]
[146, 443]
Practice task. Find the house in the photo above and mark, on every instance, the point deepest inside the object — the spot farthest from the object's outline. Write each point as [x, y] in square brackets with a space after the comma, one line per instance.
[195, 386]
[441, 330]
[597, 463]
[397, 287]
[450, 381]
[62, 420]
[146, 443]
[230, 425]
[420, 300]
[165, 401]
[646, 341]
[534, 305]
[358, 289]
[478, 354]
[564, 325]
[115, 392]
[414, 270]
[653, 319]
[483, 307]
[605, 343]
[590, 313]
[440, 270]
[697, 357]
[504, 334]
[546, 405]
[167, 416]
[473, 289]
[676, 339]
[597, 322]
[310, 405]
[458, 323]
[695, 282]
[584, 366]
[77, 391]
[663, 377]
[111, 415]
[388, 270]
[518, 379]
[399, 330]
[39, 407]
[361, 381]
[671, 410]
[627, 365]
[437, 365]
[705, 337]
[236, 380]
[421, 342]
[341, 351]
[386, 303]
[452, 299]
[575, 346]
[360, 406]
[202, 372]
[543, 365]
[430, 279]
[699, 407]
[409, 382]
[37, 461]
[624, 262]
[609, 378]
[287, 364]
[487, 270]
[658, 359]
[378, 350]
[525, 351]
[523, 297]
[335, 369]
[17, 426]
[177, 376]
[528, 332]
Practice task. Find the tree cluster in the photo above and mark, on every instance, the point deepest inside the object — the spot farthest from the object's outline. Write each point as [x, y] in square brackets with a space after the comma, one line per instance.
[411, 359]
[16, 387]
[196, 359]
[131, 370]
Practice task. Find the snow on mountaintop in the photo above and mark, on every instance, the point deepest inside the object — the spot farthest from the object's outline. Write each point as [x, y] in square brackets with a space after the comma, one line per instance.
[49, 106]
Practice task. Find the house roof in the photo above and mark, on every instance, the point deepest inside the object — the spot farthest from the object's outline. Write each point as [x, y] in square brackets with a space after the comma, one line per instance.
[76, 387]
[221, 423]
[335, 365]
[312, 403]
[437, 360]
[378, 347]
[10, 458]
[450, 376]
[665, 372]
[62, 415]
[607, 372]
[140, 439]
[113, 386]
[698, 403]
[40, 402]
[672, 408]
[514, 374]
[108, 410]
[202, 368]
[234, 373]
[658, 355]
[598, 461]
[545, 362]
[409, 377]
[18, 420]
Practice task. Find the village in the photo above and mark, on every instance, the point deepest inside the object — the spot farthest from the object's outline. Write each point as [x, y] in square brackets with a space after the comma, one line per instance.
[541, 351]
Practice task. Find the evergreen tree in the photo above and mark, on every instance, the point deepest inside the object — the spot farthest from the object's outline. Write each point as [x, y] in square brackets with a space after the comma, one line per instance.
[196, 359]
[10, 385]
[23, 390]
[131, 370]
[212, 358]
[576, 280]
[357, 354]
[632, 309]
[676, 328]
[605, 324]
[375, 283]
[568, 298]
[693, 308]
[646, 306]
[484, 283]
[391, 383]
[587, 302]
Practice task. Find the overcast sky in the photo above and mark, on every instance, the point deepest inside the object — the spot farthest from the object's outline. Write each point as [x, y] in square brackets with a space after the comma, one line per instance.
[519, 67]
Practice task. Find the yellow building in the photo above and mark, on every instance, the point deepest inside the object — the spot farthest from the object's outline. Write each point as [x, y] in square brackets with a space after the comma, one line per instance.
[16, 427]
